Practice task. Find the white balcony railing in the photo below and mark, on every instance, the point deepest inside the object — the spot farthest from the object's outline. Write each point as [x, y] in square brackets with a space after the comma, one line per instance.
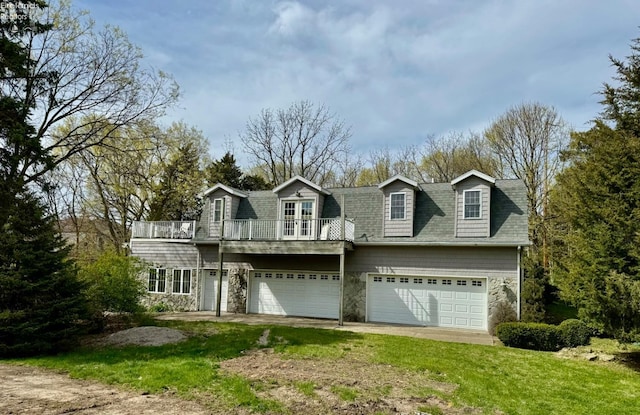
[164, 229]
[288, 229]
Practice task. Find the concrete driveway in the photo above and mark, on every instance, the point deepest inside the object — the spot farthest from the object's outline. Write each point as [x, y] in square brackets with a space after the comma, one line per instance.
[433, 333]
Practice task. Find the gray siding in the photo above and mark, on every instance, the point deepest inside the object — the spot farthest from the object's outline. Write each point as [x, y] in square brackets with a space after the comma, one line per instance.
[165, 254]
[398, 227]
[306, 193]
[473, 228]
[435, 261]
[231, 204]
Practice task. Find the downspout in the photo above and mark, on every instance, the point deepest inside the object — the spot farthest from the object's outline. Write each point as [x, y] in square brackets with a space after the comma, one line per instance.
[343, 237]
[199, 299]
[519, 304]
[220, 259]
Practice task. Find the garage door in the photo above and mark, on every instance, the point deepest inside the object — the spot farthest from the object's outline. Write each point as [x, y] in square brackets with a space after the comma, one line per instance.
[211, 289]
[442, 302]
[295, 293]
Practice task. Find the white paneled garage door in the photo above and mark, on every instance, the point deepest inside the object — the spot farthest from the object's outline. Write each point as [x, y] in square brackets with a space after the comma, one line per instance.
[210, 287]
[442, 302]
[295, 293]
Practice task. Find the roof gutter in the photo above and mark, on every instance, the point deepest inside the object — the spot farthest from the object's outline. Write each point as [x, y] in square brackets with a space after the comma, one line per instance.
[446, 244]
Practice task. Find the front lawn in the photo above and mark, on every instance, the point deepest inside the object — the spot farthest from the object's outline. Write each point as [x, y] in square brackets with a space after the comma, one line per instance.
[324, 371]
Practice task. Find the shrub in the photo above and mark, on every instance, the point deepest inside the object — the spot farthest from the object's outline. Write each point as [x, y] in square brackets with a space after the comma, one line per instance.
[535, 336]
[160, 308]
[114, 284]
[575, 333]
[503, 313]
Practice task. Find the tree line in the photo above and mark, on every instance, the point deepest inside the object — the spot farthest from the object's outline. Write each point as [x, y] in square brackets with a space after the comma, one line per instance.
[81, 153]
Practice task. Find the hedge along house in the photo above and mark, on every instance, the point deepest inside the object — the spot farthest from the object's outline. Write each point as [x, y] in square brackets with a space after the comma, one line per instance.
[433, 254]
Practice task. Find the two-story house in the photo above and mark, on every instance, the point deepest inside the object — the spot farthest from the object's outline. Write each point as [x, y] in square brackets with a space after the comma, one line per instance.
[433, 254]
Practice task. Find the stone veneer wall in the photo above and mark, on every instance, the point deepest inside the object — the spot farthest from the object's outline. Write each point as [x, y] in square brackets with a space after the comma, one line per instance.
[497, 293]
[171, 301]
[354, 296]
[237, 295]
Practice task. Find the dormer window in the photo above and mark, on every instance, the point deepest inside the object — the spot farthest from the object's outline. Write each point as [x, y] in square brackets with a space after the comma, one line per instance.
[217, 210]
[398, 207]
[472, 207]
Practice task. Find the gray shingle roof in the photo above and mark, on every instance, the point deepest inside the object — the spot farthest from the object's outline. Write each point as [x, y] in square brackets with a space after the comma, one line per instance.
[433, 220]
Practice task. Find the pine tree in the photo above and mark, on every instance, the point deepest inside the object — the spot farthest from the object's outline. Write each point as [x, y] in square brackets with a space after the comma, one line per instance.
[41, 299]
[176, 196]
[227, 172]
[598, 200]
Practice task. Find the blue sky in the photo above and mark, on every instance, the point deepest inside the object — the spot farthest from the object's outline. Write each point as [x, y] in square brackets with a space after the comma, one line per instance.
[395, 71]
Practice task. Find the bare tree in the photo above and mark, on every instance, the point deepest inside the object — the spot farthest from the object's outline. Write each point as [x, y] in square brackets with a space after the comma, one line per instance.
[303, 139]
[77, 71]
[528, 139]
[445, 158]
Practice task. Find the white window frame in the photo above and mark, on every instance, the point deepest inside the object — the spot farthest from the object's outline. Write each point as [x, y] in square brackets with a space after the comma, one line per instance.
[157, 282]
[404, 205]
[217, 210]
[479, 204]
[181, 280]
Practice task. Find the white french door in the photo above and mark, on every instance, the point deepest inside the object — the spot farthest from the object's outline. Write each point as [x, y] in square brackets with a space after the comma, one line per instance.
[297, 220]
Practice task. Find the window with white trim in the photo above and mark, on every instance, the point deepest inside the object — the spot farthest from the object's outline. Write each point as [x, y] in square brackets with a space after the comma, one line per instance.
[397, 206]
[472, 204]
[217, 210]
[157, 280]
[182, 281]
[377, 279]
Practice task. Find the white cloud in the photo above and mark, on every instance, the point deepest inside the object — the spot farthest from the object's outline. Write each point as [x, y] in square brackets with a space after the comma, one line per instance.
[397, 71]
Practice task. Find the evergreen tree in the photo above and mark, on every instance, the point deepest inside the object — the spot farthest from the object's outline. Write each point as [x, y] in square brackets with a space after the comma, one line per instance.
[227, 172]
[41, 297]
[224, 171]
[176, 196]
[598, 199]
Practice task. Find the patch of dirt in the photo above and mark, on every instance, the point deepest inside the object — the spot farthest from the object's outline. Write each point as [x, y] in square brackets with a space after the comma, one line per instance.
[27, 390]
[378, 388]
[144, 336]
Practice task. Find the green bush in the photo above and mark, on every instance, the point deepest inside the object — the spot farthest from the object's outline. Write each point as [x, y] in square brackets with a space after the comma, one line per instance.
[114, 284]
[534, 336]
[160, 308]
[575, 333]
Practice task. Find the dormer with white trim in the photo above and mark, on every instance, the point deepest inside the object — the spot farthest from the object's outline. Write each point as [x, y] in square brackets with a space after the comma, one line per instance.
[399, 206]
[221, 202]
[473, 204]
[300, 203]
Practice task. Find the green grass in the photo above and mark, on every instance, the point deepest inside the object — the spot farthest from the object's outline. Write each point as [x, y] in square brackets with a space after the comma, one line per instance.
[488, 377]
[345, 393]
[307, 388]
